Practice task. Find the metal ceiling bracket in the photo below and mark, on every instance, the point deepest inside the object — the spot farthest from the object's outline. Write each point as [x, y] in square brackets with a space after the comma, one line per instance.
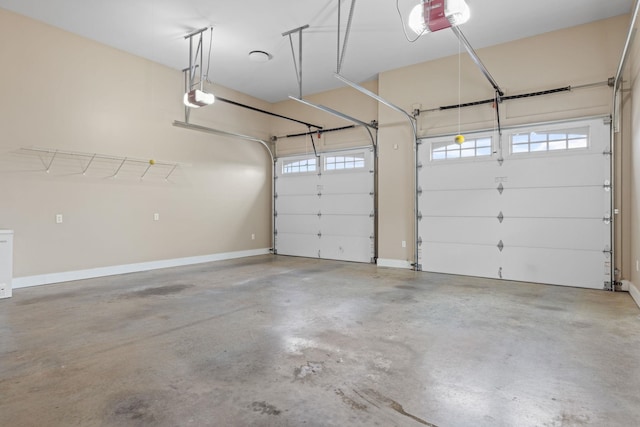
[297, 62]
[501, 217]
[500, 188]
[342, 50]
[500, 245]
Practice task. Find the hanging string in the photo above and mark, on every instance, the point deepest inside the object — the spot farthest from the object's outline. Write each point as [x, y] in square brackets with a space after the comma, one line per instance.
[459, 84]
[459, 139]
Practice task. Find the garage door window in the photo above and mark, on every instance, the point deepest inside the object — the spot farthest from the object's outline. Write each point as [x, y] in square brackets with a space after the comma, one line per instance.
[351, 161]
[299, 166]
[541, 141]
[472, 147]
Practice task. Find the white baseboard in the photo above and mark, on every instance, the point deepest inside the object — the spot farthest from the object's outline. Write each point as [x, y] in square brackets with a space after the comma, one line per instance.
[394, 263]
[635, 293]
[67, 276]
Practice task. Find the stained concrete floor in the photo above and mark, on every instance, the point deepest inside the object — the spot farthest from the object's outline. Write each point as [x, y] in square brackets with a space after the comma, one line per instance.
[280, 341]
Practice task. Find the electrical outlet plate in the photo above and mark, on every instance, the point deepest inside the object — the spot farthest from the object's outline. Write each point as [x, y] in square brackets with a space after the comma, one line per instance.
[58, 218]
[156, 217]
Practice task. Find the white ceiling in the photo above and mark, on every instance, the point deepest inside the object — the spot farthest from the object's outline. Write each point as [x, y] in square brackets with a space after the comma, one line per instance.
[155, 29]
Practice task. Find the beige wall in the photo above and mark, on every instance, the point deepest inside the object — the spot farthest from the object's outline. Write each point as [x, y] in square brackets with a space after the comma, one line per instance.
[61, 91]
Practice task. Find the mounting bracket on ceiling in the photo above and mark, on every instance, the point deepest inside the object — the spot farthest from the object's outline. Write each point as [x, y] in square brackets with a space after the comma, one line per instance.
[342, 50]
[297, 62]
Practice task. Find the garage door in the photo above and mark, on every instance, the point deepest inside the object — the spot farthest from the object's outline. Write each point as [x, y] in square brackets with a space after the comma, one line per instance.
[539, 215]
[324, 206]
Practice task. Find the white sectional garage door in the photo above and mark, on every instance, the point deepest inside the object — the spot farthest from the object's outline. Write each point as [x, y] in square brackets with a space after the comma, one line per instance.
[324, 206]
[541, 215]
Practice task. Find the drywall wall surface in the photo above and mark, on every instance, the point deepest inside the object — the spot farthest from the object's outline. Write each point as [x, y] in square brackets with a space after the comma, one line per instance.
[572, 57]
[345, 100]
[64, 92]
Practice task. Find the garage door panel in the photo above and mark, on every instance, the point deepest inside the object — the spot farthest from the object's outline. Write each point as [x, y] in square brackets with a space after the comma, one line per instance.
[346, 248]
[463, 203]
[460, 230]
[326, 214]
[298, 205]
[551, 203]
[566, 202]
[306, 184]
[297, 244]
[583, 234]
[345, 183]
[523, 171]
[299, 224]
[361, 204]
[466, 259]
[556, 267]
[459, 180]
[347, 225]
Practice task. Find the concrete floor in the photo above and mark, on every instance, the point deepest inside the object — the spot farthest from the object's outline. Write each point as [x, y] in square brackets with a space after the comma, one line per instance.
[279, 341]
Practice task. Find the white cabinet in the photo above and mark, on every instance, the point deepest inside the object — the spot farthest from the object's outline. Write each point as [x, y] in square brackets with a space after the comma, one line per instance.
[6, 262]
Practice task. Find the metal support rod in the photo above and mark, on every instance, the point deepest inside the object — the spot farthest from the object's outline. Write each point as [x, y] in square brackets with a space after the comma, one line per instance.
[201, 49]
[196, 32]
[223, 133]
[119, 167]
[319, 132]
[170, 172]
[313, 144]
[615, 116]
[333, 112]
[339, 26]
[146, 170]
[497, 104]
[476, 59]
[346, 36]
[273, 207]
[374, 96]
[228, 101]
[93, 156]
[367, 126]
[51, 161]
[297, 64]
[300, 63]
[84, 172]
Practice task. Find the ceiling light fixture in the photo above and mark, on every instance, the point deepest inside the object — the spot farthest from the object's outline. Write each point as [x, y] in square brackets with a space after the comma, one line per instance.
[196, 98]
[433, 15]
[259, 56]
